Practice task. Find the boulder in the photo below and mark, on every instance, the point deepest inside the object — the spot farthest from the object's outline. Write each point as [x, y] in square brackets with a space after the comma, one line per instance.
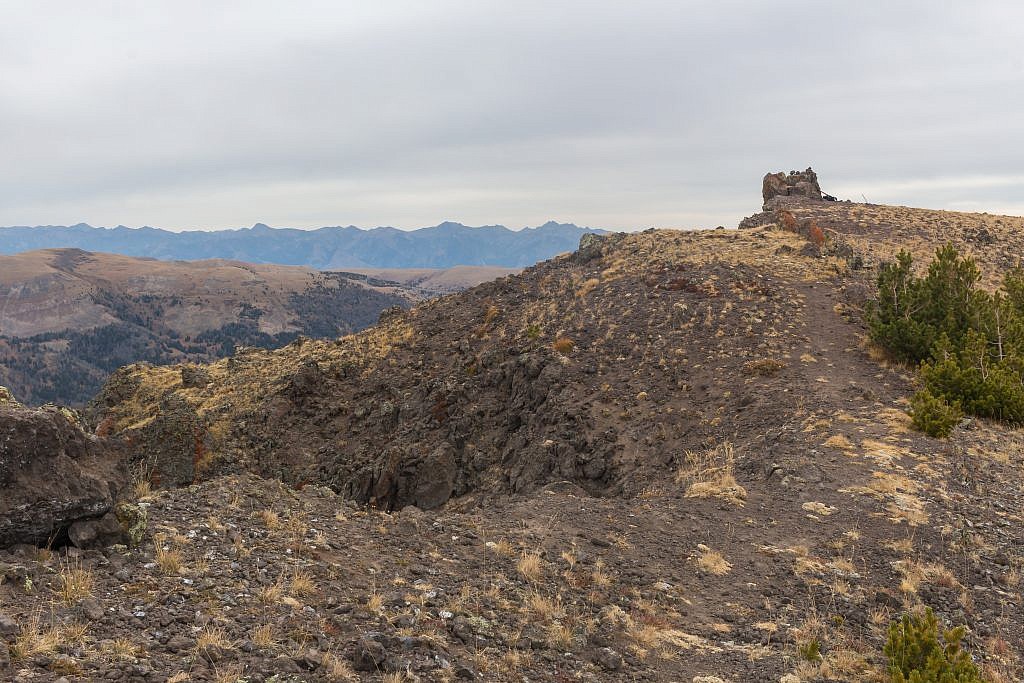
[594, 245]
[52, 474]
[608, 658]
[125, 524]
[758, 219]
[369, 654]
[132, 521]
[8, 627]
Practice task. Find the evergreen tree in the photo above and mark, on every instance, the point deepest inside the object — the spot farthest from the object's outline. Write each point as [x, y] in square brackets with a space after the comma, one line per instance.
[969, 343]
[916, 655]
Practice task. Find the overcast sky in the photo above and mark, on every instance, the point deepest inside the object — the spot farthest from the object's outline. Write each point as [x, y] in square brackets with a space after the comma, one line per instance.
[631, 114]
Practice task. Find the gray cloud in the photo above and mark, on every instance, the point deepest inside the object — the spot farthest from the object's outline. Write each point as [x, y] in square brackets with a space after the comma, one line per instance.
[623, 115]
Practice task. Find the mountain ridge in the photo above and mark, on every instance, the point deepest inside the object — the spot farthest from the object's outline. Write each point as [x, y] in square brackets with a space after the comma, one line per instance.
[445, 245]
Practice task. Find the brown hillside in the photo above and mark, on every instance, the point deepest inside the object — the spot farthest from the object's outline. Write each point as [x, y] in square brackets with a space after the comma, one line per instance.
[438, 280]
[68, 317]
[668, 457]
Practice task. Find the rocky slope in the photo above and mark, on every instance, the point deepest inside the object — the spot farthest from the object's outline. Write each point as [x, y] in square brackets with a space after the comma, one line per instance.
[666, 457]
[68, 318]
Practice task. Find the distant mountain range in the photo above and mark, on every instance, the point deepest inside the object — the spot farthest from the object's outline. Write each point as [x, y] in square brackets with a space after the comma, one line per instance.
[332, 248]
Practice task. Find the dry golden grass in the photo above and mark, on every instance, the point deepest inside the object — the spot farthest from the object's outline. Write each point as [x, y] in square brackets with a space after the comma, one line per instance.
[898, 421]
[74, 632]
[599, 577]
[650, 493]
[75, 583]
[66, 666]
[1011, 579]
[843, 663]
[511, 663]
[710, 474]
[200, 565]
[712, 562]
[812, 629]
[123, 650]
[302, 583]
[213, 636]
[34, 639]
[993, 673]
[338, 669]
[530, 566]
[270, 519]
[544, 607]
[843, 565]
[564, 345]
[271, 594]
[839, 441]
[239, 548]
[375, 603]
[263, 636]
[646, 637]
[559, 636]
[502, 547]
[897, 491]
[840, 587]
[142, 490]
[179, 677]
[587, 287]
[169, 561]
[817, 508]
[880, 617]
[230, 673]
[904, 546]
[913, 574]
[763, 367]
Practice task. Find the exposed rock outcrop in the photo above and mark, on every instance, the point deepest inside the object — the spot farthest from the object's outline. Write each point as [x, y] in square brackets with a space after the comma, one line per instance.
[52, 474]
[779, 190]
[796, 184]
[168, 445]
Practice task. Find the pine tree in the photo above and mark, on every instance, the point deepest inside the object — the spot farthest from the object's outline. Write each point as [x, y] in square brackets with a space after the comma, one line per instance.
[916, 655]
[969, 343]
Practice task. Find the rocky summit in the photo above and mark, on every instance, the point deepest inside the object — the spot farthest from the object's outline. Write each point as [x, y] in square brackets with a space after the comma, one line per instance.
[668, 456]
